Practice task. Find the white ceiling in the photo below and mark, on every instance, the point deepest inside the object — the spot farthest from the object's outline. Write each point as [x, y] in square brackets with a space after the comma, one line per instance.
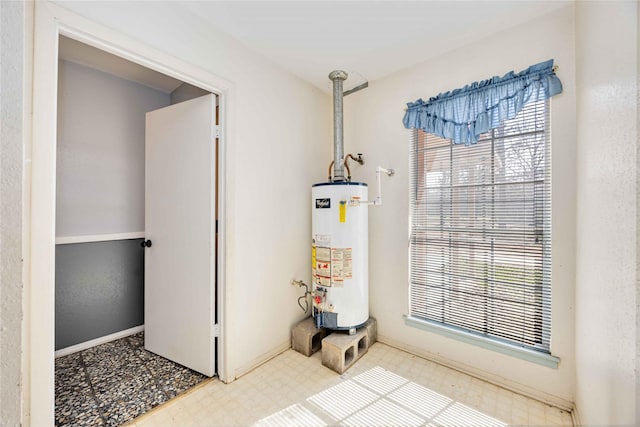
[311, 38]
[368, 39]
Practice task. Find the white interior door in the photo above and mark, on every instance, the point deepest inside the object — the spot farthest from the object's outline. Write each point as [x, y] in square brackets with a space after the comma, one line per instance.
[179, 300]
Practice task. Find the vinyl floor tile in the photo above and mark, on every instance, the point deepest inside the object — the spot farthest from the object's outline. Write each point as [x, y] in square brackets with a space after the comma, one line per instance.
[386, 387]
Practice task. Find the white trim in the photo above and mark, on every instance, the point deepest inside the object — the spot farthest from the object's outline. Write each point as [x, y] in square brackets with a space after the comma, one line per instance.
[529, 355]
[575, 417]
[68, 240]
[52, 20]
[226, 136]
[27, 90]
[39, 402]
[492, 378]
[262, 359]
[97, 341]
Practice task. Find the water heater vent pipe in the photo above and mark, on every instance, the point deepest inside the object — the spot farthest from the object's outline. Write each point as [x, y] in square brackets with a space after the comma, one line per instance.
[337, 77]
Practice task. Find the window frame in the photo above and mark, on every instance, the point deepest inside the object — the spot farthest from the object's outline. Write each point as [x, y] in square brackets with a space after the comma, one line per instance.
[538, 354]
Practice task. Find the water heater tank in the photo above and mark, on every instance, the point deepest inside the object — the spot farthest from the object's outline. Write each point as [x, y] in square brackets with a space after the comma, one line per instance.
[339, 252]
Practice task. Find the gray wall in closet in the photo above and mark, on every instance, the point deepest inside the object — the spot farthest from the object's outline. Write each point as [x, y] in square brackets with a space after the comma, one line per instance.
[99, 290]
[100, 190]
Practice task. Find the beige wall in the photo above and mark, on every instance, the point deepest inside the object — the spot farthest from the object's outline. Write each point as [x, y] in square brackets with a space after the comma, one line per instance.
[13, 45]
[373, 120]
[606, 282]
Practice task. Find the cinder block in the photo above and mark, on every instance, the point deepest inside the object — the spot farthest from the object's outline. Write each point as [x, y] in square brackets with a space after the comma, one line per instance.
[372, 329]
[341, 350]
[306, 338]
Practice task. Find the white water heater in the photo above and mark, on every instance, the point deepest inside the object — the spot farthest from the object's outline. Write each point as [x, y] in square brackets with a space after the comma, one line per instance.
[340, 236]
[339, 254]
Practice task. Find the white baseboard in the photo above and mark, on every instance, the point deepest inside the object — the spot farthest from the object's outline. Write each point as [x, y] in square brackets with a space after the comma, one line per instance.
[92, 343]
[260, 360]
[575, 418]
[483, 375]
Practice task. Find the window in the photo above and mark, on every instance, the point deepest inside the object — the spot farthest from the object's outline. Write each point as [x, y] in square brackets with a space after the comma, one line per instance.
[480, 241]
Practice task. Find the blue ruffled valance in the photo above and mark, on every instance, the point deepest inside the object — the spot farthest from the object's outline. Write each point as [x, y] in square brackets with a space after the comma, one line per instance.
[462, 115]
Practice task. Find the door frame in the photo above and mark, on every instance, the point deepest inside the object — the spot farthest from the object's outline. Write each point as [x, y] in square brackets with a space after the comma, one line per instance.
[51, 21]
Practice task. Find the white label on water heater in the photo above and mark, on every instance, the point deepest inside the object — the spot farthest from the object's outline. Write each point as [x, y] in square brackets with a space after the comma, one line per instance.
[323, 266]
[347, 263]
[341, 266]
[337, 275]
[323, 240]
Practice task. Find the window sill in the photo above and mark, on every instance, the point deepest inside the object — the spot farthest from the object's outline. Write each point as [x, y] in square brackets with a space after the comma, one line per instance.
[497, 346]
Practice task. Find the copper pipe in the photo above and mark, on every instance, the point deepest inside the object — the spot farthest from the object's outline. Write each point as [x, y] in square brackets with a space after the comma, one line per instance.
[346, 163]
[357, 159]
[330, 166]
[346, 166]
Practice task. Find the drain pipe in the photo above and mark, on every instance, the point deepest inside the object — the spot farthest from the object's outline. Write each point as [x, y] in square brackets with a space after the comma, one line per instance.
[338, 77]
[378, 200]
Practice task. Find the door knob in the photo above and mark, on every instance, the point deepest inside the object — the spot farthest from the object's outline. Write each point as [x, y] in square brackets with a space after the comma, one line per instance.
[146, 243]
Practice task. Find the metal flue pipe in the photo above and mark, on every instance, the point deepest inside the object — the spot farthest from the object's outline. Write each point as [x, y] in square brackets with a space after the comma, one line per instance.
[337, 77]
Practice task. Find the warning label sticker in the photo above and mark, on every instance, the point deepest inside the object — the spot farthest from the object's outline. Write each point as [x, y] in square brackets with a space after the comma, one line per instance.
[313, 261]
[331, 266]
[323, 266]
[341, 265]
[343, 211]
[348, 263]
[323, 254]
[323, 281]
[337, 283]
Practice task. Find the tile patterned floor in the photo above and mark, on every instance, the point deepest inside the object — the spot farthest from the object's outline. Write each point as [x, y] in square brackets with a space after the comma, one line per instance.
[111, 384]
[386, 387]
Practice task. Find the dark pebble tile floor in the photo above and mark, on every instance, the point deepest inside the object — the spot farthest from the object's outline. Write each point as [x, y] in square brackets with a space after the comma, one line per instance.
[113, 383]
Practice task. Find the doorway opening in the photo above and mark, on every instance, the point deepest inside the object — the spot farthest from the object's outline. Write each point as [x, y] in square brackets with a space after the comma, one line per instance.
[136, 191]
[40, 189]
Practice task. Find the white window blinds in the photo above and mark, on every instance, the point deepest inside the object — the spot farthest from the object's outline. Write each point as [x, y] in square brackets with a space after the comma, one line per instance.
[480, 248]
